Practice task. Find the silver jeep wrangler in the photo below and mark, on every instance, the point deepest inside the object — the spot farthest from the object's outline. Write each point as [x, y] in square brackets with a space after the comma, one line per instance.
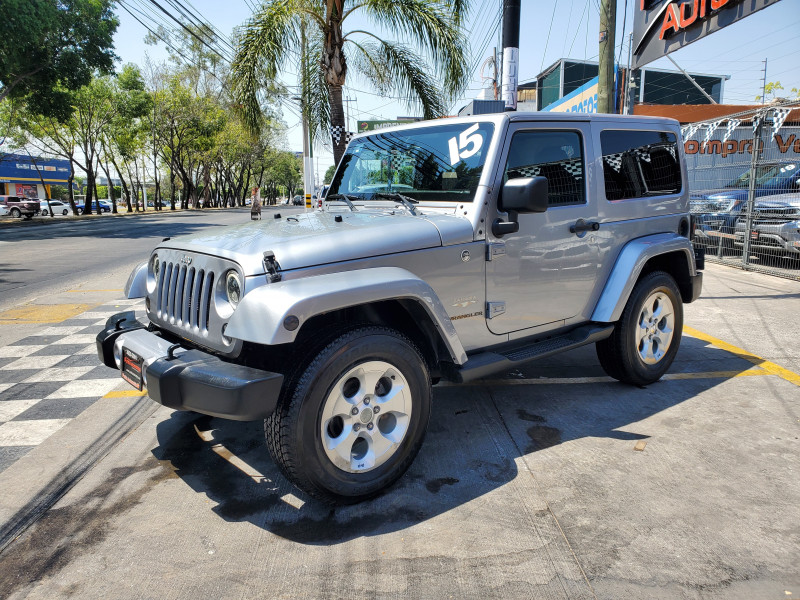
[445, 249]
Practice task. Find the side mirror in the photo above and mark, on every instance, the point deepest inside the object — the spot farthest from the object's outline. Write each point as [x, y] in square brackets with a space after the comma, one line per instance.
[525, 194]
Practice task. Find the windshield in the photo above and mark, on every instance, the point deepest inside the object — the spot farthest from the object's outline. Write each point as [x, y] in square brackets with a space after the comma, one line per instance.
[439, 163]
[765, 175]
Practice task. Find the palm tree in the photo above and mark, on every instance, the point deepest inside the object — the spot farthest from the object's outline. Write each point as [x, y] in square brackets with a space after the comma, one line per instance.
[314, 30]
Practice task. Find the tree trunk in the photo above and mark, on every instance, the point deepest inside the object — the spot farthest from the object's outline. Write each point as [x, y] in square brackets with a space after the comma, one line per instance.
[338, 125]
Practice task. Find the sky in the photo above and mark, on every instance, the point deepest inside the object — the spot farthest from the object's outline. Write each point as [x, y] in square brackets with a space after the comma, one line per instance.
[549, 30]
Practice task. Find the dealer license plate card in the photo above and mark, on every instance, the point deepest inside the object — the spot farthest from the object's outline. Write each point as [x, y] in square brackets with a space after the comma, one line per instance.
[132, 365]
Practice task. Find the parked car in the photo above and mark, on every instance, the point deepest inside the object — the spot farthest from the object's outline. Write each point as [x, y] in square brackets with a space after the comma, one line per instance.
[775, 227]
[716, 211]
[506, 245]
[106, 205]
[20, 207]
[3, 211]
[298, 201]
[58, 207]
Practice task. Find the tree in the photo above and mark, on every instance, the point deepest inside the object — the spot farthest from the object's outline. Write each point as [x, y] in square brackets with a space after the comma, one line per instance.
[313, 29]
[50, 48]
[329, 174]
[772, 88]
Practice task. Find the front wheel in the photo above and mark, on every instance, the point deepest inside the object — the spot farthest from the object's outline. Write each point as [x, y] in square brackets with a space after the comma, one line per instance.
[356, 417]
[647, 336]
[64, 212]
[44, 212]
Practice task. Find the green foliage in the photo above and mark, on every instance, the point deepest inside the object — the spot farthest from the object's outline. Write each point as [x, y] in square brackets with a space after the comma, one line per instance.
[59, 192]
[49, 49]
[329, 175]
[773, 87]
[102, 192]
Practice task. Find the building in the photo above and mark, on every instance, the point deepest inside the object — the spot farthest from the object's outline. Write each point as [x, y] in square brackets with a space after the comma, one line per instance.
[23, 175]
[650, 86]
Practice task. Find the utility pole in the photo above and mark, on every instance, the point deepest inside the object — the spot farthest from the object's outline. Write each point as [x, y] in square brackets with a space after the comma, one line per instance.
[511, 16]
[605, 86]
[764, 86]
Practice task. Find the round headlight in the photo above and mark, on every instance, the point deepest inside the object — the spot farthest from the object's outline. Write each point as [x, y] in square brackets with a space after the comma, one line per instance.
[156, 265]
[233, 287]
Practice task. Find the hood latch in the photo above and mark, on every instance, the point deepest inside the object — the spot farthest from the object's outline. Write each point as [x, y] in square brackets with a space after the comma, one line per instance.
[272, 267]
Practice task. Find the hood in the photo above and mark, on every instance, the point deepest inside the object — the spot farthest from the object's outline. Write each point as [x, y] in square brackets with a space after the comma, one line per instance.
[318, 238]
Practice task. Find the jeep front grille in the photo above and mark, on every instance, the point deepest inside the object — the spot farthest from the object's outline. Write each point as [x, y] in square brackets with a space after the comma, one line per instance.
[187, 298]
[184, 296]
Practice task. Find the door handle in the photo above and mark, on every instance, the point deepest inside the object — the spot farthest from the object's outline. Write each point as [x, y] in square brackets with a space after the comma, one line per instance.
[582, 226]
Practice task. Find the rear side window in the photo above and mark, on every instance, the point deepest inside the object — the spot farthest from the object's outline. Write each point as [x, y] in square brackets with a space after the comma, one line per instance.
[640, 164]
[556, 155]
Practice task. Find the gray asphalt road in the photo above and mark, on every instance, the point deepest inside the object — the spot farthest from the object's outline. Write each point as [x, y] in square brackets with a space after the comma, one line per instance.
[46, 257]
[548, 482]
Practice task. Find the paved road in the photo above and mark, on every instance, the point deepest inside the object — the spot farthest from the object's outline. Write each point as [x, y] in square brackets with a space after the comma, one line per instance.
[552, 482]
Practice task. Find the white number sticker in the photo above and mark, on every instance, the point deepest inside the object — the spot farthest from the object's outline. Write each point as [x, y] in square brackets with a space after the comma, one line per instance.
[467, 144]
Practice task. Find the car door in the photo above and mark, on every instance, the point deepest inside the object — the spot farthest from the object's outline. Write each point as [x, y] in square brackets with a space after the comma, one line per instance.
[546, 272]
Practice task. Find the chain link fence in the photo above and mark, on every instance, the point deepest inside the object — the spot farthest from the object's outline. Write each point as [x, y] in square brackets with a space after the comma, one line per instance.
[744, 184]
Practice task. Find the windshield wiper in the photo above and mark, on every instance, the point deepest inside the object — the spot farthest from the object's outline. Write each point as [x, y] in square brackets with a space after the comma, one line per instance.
[346, 198]
[407, 202]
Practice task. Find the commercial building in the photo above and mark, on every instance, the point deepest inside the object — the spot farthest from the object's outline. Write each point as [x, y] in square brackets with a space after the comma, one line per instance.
[26, 176]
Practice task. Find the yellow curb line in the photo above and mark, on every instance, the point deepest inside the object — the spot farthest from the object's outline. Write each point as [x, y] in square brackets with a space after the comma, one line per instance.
[768, 366]
[125, 394]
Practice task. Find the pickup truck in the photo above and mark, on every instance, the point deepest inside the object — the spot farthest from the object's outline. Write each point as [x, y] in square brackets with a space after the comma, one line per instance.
[449, 249]
[20, 207]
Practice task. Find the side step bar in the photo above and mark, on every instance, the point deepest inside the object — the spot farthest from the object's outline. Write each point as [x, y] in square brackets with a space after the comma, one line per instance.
[486, 363]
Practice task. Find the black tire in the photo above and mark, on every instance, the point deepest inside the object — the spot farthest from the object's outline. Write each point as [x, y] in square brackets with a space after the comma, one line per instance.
[620, 355]
[44, 212]
[15, 212]
[295, 432]
[64, 212]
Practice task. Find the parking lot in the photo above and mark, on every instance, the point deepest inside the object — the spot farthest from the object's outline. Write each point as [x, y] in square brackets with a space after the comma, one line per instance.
[548, 482]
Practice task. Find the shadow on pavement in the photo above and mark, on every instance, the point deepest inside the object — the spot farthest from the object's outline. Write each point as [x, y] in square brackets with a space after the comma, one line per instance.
[476, 435]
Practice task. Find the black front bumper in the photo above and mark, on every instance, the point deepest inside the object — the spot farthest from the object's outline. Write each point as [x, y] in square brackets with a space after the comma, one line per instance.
[189, 379]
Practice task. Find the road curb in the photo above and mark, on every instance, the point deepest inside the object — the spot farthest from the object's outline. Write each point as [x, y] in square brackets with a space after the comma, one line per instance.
[38, 480]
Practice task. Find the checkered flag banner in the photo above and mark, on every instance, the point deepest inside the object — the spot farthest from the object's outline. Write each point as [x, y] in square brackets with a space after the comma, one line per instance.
[732, 124]
[711, 128]
[337, 131]
[690, 131]
[756, 122]
[778, 117]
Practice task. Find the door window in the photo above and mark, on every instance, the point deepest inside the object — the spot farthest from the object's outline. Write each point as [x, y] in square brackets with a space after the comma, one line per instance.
[640, 164]
[556, 155]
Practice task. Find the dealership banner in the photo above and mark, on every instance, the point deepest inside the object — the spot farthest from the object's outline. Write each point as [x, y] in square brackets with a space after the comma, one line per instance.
[663, 26]
[714, 163]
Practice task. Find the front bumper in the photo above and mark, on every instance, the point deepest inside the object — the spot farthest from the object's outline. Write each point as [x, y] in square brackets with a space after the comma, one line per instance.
[189, 379]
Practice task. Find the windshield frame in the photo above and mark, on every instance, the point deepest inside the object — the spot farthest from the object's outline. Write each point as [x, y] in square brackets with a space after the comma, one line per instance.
[488, 155]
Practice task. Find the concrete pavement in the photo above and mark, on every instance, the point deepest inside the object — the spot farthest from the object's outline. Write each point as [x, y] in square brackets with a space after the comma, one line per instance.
[550, 482]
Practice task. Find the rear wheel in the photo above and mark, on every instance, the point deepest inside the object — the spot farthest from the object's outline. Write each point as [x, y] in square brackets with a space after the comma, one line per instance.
[356, 417]
[15, 212]
[647, 336]
[64, 212]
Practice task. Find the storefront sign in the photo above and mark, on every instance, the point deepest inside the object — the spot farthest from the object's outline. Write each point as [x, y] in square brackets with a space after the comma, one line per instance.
[663, 26]
[582, 100]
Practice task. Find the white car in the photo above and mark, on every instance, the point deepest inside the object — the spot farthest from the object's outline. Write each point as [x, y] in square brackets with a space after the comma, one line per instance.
[58, 207]
[3, 211]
